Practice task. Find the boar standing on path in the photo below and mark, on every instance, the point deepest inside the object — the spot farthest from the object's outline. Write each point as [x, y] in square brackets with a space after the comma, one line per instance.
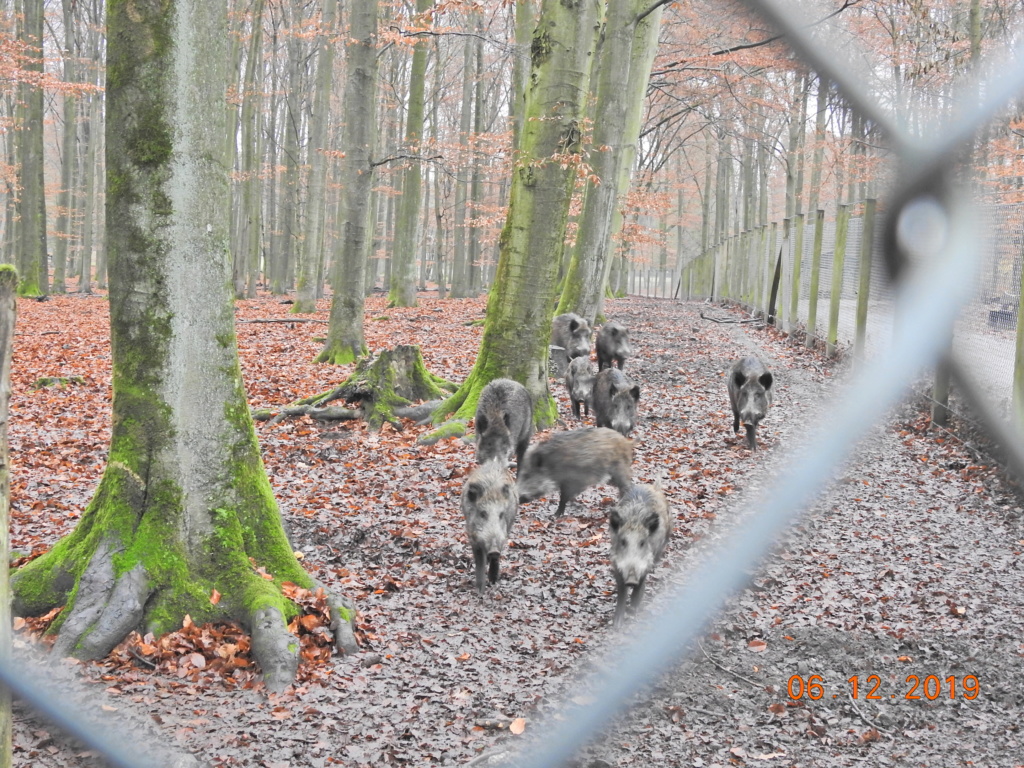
[504, 421]
[571, 334]
[750, 393]
[640, 526]
[574, 460]
[489, 505]
[615, 399]
[579, 380]
[613, 346]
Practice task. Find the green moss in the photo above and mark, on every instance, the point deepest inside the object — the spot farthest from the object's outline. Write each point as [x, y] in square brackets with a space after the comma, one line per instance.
[453, 428]
[8, 277]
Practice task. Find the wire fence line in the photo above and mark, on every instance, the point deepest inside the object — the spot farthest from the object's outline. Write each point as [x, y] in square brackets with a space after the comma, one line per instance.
[952, 301]
[819, 293]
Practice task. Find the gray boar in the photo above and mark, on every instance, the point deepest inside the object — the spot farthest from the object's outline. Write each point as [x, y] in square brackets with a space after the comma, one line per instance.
[579, 380]
[615, 399]
[571, 334]
[504, 421]
[489, 505]
[640, 526]
[750, 394]
[613, 346]
[572, 461]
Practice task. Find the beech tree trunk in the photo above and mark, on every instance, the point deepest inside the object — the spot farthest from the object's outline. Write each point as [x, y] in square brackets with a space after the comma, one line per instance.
[307, 283]
[402, 291]
[520, 304]
[8, 311]
[345, 338]
[618, 86]
[32, 259]
[184, 507]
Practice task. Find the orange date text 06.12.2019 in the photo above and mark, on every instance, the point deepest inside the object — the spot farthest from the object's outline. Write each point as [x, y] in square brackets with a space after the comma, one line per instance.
[871, 687]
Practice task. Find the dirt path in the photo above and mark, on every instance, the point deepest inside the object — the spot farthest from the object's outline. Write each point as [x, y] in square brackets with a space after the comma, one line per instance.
[911, 565]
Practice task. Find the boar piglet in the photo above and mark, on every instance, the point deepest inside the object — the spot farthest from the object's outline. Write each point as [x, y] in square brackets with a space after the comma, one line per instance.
[613, 346]
[489, 505]
[572, 461]
[504, 421]
[750, 394]
[615, 400]
[571, 333]
[640, 526]
[579, 380]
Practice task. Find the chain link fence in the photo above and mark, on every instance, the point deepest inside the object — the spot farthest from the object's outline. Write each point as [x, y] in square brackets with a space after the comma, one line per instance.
[985, 333]
[930, 290]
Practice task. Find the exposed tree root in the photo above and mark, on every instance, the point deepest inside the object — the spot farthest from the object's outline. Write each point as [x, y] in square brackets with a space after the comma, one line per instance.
[383, 389]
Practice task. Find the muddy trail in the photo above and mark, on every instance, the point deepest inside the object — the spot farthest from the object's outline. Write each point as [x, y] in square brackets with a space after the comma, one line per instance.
[905, 579]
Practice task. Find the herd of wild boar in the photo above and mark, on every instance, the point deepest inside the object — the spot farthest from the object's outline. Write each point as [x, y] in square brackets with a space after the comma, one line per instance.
[641, 522]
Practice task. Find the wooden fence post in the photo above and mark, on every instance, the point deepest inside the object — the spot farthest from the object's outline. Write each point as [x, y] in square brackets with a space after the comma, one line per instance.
[798, 255]
[838, 259]
[812, 303]
[864, 284]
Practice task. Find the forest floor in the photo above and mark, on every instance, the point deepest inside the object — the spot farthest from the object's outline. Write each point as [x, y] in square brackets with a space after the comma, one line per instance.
[908, 566]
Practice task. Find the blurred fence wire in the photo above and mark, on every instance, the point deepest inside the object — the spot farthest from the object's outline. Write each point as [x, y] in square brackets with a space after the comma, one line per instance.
[924, 265]
[925, 268]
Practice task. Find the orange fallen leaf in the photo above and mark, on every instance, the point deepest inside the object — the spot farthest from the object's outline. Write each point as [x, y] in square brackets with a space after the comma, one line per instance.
[518, 726]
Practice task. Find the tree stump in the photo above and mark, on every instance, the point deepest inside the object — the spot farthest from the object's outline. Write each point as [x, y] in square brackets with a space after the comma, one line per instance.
[393, 380]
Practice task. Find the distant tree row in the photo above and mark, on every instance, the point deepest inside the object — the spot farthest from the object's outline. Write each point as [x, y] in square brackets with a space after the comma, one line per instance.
[734, 132]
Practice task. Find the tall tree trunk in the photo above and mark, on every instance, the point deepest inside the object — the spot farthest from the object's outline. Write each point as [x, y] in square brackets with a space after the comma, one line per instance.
[69, 157]
[307, 285]
[345, 338]
[184, 508]
[289, 226]
[517, 331]
[474, 254]
[32, 259]
[402, 292]
[617, 117]
[246, 263]
[8, 311]
[818, 157]
[524, 24]
[460, 270]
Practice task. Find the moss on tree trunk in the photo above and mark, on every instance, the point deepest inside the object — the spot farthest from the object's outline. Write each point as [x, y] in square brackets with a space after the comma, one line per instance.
[520, 304]
[184, 509]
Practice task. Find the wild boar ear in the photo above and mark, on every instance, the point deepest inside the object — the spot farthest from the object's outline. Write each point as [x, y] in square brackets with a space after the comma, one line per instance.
[767, 380]
[739, 379]
[508, 421]
[635, 392]
[573, 325]
[481, 423]
[652, 522]
[473, 492]
[614, 520]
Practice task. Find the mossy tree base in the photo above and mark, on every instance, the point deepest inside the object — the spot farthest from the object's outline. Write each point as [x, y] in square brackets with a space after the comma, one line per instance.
[120, 571]
[383, 386]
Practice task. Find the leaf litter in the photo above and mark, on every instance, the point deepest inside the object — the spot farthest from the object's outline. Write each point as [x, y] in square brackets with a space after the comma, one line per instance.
[908, 568]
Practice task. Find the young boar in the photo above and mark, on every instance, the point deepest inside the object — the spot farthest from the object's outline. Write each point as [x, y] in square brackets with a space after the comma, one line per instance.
[750, 394]
[504, 421]
[572, 461]
[579, 380]
[489, 505]
[640, 526]
[613, 346]
[615, 400]
[571, 333]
